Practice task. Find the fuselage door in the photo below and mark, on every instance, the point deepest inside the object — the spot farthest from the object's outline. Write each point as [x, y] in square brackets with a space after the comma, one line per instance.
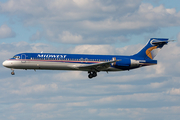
[23, 58]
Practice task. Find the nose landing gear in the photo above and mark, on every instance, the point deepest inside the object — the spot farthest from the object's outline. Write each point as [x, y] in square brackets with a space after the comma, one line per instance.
[92, 74]
[12, 73]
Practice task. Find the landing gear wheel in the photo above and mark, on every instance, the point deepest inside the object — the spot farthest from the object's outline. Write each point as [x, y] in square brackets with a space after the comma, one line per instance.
[12, 73]
[92, 74]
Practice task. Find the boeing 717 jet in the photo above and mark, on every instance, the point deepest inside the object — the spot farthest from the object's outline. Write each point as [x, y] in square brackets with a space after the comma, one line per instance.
[85, 62]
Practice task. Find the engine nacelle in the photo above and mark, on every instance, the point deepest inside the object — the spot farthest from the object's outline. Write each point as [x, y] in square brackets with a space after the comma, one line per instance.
[124, 62]
[134, 63]
[127, 63]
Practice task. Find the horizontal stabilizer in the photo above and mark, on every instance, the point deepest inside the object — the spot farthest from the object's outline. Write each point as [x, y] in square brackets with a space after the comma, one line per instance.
[161, 42]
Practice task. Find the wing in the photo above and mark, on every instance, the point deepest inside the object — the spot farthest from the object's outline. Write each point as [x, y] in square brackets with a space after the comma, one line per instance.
[95, 67]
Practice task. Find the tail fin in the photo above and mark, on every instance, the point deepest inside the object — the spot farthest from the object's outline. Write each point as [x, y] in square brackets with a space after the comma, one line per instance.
[152, 48]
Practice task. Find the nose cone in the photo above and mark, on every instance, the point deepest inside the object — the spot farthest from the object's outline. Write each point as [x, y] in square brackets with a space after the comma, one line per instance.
[6, 63]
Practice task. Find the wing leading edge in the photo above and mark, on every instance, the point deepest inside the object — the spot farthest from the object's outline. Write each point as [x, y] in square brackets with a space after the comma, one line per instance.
[97, 67]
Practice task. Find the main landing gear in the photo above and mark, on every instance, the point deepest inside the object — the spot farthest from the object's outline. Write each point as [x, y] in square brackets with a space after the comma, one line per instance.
[12, 73]
[92, 74]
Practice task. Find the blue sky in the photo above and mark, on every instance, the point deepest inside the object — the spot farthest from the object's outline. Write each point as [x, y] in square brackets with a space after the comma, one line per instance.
[90, 27]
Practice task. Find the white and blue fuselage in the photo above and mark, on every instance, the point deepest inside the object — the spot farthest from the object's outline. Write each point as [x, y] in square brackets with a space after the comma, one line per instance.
[53, 61]
[84, 62]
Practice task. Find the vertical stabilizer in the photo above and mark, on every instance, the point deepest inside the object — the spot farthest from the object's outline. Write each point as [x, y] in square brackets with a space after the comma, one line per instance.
[152, 48]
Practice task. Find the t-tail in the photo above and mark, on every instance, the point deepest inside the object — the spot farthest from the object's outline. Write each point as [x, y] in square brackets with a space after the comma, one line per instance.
[152, 48]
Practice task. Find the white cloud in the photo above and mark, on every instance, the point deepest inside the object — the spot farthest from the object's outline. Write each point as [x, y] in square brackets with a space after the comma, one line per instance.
[134, 97]
[35, 89]
[160, 68]
[18, 105]
[147, 17]
[129, 50]
[75, 21]
[165, 57]
[93, 49]
[110, 24]
[77, 104]
[69, 76]
[6, 32]
[64, 37]
[140, 113]
[174, 91]
[36, 36]
[44, 107]
[92, 111]
[7, 50]
[178, 39]
[55, 17]
[67, 37]
[82, 2]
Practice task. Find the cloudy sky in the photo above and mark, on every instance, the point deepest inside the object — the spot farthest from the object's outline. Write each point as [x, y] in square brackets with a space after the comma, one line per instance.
[93, 27]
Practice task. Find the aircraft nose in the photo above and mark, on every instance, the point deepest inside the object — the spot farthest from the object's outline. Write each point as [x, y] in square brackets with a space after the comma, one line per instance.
[6, 63]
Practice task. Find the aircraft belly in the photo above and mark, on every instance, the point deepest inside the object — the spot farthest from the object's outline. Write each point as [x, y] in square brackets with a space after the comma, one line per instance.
[50, 65]
[112, 69]
[106, 69]
[55, 65]
[66, 66]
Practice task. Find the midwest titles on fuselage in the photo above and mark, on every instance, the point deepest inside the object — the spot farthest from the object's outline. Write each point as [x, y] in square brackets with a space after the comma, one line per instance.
[50, 56]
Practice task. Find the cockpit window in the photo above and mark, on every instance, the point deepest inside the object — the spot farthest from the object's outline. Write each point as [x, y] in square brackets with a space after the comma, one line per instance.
[16, 57]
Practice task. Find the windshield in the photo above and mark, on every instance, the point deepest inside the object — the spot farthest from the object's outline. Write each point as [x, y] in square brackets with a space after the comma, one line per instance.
[16, 57]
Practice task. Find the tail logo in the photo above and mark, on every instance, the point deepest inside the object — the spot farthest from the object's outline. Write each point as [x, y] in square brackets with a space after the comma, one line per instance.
[149, 52]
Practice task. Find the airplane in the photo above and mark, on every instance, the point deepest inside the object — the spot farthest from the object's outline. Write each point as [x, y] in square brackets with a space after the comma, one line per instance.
[86, 62]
